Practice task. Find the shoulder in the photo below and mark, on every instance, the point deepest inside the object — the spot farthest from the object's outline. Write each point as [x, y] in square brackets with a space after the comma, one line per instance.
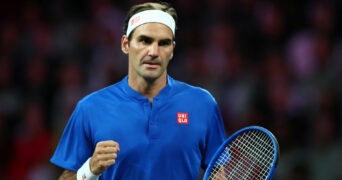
[102, 96]
[196, 92]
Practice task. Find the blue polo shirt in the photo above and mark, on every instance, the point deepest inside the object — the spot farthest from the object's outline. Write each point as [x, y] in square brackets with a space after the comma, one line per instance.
[172, 138]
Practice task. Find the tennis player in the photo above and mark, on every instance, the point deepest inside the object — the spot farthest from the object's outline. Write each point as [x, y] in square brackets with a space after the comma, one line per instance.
[148, 125]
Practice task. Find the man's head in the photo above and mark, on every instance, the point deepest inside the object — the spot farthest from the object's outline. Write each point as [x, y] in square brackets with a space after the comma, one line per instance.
[149, 41]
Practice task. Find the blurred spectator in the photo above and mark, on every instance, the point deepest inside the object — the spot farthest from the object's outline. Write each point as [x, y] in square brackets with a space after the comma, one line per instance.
[107, 62]
[9, 107]
[70, 88]
[32, 145]
[325, 151]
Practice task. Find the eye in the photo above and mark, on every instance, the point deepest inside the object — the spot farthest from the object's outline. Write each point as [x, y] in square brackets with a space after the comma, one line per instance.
[145, 40]
[165, 42]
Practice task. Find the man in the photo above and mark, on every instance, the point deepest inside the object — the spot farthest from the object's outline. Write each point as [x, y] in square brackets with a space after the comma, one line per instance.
[166, 129]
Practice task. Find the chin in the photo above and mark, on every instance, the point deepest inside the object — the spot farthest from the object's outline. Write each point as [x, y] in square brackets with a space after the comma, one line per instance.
[151, 77]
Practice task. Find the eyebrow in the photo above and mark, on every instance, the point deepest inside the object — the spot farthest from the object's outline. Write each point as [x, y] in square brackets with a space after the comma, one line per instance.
[145, 37]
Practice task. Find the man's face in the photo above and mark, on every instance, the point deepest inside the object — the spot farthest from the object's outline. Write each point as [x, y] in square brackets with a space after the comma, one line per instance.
[149, 51]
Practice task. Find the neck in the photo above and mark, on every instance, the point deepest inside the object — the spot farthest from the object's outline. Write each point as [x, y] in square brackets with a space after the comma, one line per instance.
[147, 88]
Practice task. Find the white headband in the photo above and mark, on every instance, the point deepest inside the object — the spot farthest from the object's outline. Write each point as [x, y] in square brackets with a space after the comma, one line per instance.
[151, 16]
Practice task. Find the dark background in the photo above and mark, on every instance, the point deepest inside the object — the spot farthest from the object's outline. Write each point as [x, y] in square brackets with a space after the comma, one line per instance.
[276, 64]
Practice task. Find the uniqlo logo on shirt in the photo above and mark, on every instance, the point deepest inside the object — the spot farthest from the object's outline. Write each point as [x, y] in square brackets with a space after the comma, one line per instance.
[182, 118]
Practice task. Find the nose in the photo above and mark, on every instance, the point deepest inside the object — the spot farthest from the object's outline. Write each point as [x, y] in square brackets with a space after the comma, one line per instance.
[153, 50]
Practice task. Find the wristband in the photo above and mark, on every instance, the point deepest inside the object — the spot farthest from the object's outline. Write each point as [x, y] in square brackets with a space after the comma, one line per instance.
[84, 173]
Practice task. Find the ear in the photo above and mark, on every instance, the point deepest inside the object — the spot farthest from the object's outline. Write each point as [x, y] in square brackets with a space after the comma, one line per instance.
[174, 45]
[124, 44]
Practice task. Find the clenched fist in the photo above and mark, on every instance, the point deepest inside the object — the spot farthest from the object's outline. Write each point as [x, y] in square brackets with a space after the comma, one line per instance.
[104, 156]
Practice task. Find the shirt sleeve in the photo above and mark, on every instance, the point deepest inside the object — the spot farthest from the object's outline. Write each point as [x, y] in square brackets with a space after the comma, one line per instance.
[75, 145]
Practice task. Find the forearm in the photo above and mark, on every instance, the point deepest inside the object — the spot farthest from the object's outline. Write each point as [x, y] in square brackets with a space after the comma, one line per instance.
[68, 175]
[83, 172]
[104, 156]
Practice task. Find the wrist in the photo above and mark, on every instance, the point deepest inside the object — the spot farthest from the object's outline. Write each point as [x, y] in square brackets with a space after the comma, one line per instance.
[84, 173]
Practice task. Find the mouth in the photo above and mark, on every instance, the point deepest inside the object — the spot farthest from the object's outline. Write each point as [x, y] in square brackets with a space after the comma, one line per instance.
[151, 65]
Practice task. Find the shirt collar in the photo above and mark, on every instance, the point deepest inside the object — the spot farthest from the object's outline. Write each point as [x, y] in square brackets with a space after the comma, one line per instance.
[136, 95]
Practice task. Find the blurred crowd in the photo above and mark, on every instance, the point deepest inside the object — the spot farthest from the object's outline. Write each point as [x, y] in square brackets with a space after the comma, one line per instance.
[276, 64]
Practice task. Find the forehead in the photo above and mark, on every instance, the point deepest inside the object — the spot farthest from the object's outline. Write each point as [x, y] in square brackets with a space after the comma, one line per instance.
[153, 30]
